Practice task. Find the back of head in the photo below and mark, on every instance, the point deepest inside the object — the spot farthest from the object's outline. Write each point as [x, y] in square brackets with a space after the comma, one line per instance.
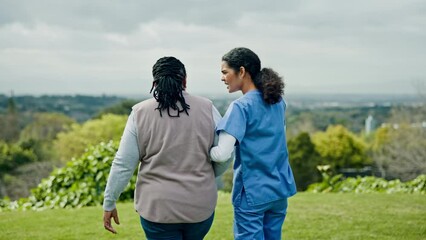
[169, 78]
[266, 80]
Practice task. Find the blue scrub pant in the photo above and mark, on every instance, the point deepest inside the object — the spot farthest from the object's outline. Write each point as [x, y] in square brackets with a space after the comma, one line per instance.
[258, 222]
[176, 231]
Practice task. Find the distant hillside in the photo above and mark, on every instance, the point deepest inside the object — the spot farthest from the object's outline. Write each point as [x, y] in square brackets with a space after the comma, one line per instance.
[316, 110]
[352, 100]
[79, 107]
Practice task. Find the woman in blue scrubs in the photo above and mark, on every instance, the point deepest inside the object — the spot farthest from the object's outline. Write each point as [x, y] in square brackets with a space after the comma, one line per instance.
[255, 125]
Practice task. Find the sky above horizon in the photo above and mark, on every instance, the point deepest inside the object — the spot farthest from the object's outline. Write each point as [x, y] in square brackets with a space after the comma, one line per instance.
[109, 47]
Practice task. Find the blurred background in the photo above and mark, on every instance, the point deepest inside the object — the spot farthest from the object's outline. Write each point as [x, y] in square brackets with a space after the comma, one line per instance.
[70, 71]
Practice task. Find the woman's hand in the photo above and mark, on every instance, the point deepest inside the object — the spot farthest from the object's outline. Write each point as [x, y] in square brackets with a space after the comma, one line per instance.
[107, 220]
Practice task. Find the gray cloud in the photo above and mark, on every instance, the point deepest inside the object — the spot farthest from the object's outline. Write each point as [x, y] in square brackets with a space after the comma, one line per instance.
[109, 46]
[123, 16]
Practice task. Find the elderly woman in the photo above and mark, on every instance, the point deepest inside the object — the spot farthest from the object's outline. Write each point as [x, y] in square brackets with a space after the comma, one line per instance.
[169, 136]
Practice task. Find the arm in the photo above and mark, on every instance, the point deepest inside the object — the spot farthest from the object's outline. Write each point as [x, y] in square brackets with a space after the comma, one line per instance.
[224, 149]
[220, 167]
[122, 169]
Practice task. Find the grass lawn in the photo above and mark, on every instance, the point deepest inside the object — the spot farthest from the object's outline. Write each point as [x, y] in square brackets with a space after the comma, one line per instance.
[310, 216]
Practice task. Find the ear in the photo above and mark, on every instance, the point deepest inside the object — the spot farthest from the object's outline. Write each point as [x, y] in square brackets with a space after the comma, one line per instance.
[242, 72]
[184, 83]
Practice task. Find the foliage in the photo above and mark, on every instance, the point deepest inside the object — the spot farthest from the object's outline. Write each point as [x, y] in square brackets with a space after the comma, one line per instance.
[400, 152]
[9, 122]
[45, 126]
[303, 160]
[366, 184]
[81, 183]
[340, 148]
[12, 156]
[39, 134]
[73, 143]
[121, 108]
[18, 183]
[227, 179]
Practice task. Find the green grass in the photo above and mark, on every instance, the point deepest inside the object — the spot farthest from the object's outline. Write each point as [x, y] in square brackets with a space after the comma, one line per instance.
[310, 216]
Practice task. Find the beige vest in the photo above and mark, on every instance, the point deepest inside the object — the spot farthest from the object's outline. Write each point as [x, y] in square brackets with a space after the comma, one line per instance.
[176, 183]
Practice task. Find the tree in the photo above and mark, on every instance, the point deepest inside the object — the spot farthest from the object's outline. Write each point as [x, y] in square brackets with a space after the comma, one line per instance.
[400, 153]
[18, 184]
[121, 108]
[303, 160]
[11, 157]
[40, 133]
[399, 149]
[340, 148]
[46, 126]
[9, 124]
[74, 142]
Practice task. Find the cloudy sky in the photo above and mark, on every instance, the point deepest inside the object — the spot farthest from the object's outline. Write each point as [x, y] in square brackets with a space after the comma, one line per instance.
[109, 47]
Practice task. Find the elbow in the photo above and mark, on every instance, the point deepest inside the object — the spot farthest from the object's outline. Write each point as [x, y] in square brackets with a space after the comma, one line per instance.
[218, 156]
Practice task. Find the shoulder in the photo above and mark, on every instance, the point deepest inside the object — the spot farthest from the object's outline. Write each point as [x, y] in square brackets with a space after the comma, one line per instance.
[199, 98]
[244, 102]
[144, 104]
[237, 105]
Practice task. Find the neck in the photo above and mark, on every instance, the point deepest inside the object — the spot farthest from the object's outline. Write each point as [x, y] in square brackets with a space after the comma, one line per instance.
[248, 87]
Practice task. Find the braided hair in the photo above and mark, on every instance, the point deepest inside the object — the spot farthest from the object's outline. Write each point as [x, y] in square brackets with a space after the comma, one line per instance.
[169, 74]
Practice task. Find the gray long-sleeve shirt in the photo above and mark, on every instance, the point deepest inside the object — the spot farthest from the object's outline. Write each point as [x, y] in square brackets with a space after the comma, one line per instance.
[127, 159]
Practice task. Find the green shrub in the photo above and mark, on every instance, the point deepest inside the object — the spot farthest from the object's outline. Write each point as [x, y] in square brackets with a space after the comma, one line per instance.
[340, 148]
[366, 184]
[81, 183]
[13, 156]
[74, 142]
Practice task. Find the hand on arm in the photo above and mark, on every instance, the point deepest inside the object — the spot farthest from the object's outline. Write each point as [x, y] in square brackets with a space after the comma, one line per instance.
[222, 154]
[224, 149]
[219, 167]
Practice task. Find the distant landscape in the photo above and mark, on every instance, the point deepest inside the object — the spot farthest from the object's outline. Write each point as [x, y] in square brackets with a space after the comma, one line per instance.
[348, 109]
[365, 135]
[83, 107]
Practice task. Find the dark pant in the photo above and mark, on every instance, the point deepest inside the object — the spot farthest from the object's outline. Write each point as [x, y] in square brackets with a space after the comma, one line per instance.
[176, 231]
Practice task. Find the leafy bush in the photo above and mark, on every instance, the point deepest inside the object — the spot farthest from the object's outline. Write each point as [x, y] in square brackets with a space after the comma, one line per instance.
[366, 184]
[13, 156]
[81, 183]
[341, 148]
[73, 142]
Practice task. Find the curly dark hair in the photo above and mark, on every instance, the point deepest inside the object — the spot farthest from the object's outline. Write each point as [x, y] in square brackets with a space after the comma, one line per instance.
[169, 74]
[266, 80]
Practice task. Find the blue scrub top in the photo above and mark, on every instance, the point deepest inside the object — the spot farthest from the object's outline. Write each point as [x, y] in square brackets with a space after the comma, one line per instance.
[261, 156]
